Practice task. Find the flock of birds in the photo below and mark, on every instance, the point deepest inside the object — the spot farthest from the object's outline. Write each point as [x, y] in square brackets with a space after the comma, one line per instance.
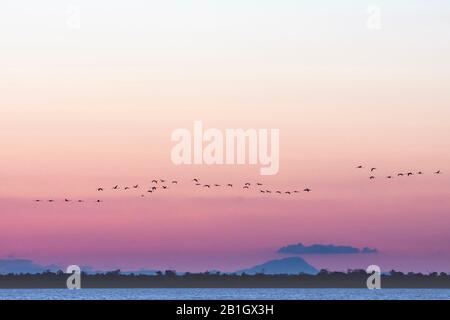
[163, 184]
[400, 174]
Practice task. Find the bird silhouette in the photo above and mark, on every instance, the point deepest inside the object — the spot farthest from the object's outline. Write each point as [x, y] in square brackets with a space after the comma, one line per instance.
[438, 172]
[175, 182]
[198, 184]
[229, 185]
[136, 186]
[409, 174]
[268, 191]
[259, 184]
[100, 189]
[373, 169]
[80, 201]
[116, 187]
[149, 191]
[161, 180]
[371, 177]
[420, 172]
[50, 200]
[278, 192]
[262, 191]
[389, 177]
[296, 191]
[98, 201]
[66, 200]
[217, 185]
[154, 188]
[246, 187]
[127, 188]
[400, 175]
[195, 180]
[247, 184]
[288, 192]
[307, 190]
[37, 200]
[154, 181]
[164, 187]
[359, 167]
[207, 186]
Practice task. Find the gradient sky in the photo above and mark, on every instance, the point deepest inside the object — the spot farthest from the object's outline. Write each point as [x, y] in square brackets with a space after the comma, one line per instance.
[95, 106]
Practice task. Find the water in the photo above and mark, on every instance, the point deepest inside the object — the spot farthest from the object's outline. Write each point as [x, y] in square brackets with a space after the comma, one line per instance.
[225, 294]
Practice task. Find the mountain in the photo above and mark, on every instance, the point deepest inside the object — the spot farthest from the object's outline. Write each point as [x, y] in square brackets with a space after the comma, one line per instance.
[12, 265]
[291, 265]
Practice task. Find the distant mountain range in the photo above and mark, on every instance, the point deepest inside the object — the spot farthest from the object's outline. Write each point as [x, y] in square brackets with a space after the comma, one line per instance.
[12, 265]
[291, 265]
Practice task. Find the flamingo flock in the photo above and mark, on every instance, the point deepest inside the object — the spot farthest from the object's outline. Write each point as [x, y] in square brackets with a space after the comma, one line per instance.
[161, 185]
[399, 174]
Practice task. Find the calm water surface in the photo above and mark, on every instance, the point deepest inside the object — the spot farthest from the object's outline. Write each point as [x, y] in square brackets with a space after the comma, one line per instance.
[225, 294]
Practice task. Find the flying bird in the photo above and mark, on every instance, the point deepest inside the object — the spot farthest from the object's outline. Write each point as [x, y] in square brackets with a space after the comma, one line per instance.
[400, 175]
[80, 201]
[37, 200]
[98, 201]
[175, 182]
[229, 185]
[438, 172]
[287, 192]
[371, 177]
[136, 186]
[100, 189]
[66, 200]
[246, 187]
[409, 174]
[389, 177]
[247, 184]
[279, 192]
[217, 185]
[373, 169]
[116, 187]
[154, 181]
[307, 190]
[195, 180]
[161, 180]
[259, 184]
[164, 187]
[50, 200]
[126, 188]
[207, 186]
[262, 191]
[198, 184]
[359, 167]
[154, 188]
[420, 172]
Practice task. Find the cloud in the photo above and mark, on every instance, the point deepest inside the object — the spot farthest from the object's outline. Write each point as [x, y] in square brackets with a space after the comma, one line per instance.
[323, 249]
[12, 265]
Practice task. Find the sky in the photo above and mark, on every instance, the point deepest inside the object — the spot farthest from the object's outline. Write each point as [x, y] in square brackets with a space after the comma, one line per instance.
[90, 92]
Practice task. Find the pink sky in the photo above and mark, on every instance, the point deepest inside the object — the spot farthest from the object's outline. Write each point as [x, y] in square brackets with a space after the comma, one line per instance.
[96, 106]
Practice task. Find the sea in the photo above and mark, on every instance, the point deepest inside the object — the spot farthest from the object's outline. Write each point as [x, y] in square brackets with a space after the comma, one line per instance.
[225, 294]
